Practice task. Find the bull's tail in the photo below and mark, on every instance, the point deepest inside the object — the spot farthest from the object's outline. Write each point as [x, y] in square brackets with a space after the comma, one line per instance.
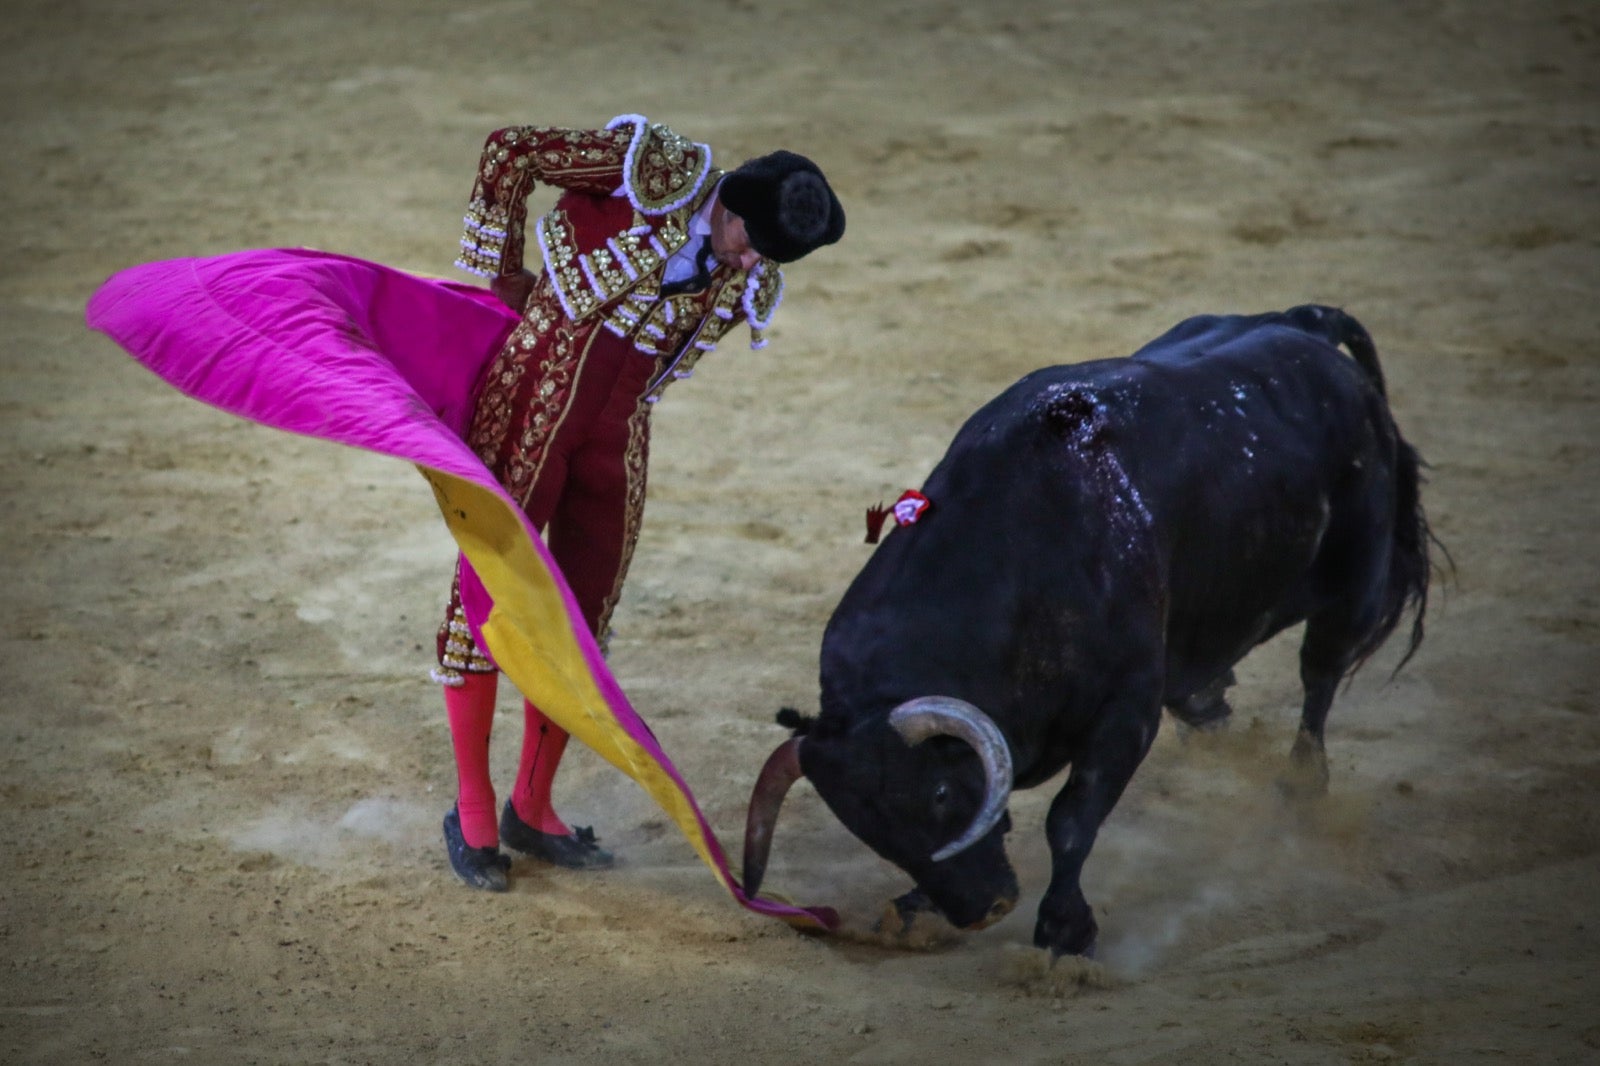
[1410, 567]
[1410, 564]
[1338, 328]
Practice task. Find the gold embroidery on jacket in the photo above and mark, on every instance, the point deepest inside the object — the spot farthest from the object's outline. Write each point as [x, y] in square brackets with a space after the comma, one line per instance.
[667, 168]
[572, 158]
[586, 282]
[635, 462]
[540, 412]
[512, 160]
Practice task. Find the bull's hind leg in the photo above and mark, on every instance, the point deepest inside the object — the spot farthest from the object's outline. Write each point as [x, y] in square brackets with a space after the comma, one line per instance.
[1308, 759]
[1325, 654]
[1103, 763]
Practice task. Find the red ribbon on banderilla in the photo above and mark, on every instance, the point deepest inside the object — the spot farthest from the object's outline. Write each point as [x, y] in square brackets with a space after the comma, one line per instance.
[906, 510]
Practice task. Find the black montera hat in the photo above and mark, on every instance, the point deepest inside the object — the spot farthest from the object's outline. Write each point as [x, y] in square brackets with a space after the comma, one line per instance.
[787, 206]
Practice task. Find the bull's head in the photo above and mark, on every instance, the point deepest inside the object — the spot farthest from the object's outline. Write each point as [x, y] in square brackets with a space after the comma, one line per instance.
[927, 791]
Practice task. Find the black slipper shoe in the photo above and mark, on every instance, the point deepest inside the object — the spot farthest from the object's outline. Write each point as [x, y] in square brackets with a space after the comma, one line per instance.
[578, 850]
[483, 868]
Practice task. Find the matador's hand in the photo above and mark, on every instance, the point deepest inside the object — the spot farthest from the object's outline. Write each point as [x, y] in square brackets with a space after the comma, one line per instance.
[513, 289]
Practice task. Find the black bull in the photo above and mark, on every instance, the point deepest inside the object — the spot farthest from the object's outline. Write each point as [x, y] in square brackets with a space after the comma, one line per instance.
[1104, 540]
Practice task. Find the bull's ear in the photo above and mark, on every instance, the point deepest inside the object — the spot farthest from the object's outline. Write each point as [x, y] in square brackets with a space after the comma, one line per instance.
[790, 718]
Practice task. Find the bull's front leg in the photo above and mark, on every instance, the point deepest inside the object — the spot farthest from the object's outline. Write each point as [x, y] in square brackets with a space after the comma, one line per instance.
[1102, 765]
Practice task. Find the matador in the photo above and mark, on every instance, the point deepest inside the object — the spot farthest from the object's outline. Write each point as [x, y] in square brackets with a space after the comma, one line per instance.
[650, 256]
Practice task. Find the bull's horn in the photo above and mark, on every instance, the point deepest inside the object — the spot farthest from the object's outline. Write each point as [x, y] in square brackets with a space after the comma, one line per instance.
[931, 716]
[782, 770]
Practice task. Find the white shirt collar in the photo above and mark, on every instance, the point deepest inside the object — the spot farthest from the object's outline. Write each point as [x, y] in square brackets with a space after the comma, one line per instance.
[700, 222]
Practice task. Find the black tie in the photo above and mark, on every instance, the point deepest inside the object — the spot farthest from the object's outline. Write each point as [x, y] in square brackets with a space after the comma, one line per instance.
[702, 274]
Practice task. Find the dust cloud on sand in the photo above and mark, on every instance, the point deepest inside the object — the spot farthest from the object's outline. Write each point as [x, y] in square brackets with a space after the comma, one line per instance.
[224, 770]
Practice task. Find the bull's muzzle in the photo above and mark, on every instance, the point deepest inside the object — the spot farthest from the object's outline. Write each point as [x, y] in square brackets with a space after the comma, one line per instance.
[1000, 908]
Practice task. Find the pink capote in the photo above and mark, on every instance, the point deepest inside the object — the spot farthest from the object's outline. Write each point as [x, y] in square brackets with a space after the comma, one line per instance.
[364, 355]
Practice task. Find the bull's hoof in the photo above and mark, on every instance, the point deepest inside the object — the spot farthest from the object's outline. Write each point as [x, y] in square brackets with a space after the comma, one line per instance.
[1084, 949]
[1190, 733]
[913, 923]
[1046, 975]
[1076, 935]
[1208, 710]
[480, 868]
[1307, 773]
[578, 850]
[900, 916]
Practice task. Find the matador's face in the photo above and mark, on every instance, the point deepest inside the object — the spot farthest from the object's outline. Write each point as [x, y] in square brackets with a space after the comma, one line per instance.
[729, 241]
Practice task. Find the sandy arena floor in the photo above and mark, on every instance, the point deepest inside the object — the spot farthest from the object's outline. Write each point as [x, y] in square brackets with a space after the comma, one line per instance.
[224, 768]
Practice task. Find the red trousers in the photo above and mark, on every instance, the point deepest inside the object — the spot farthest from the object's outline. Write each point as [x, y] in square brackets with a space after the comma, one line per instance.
[562, 421]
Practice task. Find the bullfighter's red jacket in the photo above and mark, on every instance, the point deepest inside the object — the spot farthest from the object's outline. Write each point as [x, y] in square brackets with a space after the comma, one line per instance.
[632, 188]
[595, 322]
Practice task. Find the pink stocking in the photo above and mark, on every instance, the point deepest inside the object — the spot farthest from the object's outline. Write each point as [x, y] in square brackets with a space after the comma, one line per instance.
[470, 709]
[543, 743]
